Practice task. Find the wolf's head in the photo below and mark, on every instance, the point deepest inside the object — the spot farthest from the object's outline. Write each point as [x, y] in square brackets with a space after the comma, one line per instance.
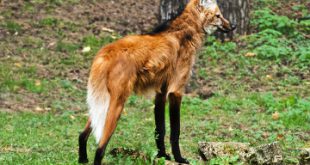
[213, 18]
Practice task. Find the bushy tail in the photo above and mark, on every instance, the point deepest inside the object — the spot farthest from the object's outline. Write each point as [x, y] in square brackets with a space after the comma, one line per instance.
[98, 101]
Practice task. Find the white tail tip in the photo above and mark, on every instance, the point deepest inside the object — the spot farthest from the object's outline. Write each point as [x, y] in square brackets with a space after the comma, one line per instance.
[98, 103]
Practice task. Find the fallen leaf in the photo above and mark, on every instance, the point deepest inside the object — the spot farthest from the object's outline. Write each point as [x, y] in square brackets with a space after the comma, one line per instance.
[19, 65]
[48, 109]
[250, 54]
[280, 136]
[38, 109]
[86, 49]
[37, 83]
[51, 44]
[265, 135]
[269, 77]
[105, 29]
[276, 116]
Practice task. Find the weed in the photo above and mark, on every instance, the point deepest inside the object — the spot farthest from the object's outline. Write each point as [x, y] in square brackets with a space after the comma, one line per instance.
[265, 19]
[52, 22]
[67, 47]
[12, 26]
[225, 160]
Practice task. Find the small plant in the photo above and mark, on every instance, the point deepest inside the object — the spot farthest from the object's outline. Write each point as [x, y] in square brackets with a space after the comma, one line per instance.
[260, 3]
[266, 19]
[272, 44]
[49, 22]
[297, 113]
[301, 7]
[96, 42]
[225, 161]
[304, 26]
[35, 86]
[13, 27]
[66, 47]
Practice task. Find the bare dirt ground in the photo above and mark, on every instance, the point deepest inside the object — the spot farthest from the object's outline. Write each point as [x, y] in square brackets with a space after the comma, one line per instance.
[26, 27]
[41, 35]
[124, 16]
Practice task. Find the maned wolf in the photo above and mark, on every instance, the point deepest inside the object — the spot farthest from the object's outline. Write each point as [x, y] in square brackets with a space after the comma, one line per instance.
[160, 61]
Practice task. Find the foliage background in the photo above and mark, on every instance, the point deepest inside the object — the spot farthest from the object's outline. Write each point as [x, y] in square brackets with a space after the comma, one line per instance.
[259, 83]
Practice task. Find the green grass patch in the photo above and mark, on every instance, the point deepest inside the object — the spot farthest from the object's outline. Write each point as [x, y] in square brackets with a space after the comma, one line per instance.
[12, 26]
[260, 81]
[51, 138]
[49, 22]
[67, 47]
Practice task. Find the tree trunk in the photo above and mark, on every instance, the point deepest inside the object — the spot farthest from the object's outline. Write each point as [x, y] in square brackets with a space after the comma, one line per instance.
[236, 11]
[170, 8]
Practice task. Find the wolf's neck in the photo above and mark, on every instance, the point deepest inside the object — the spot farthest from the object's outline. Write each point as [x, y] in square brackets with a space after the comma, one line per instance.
[189, 19]
[188, 29]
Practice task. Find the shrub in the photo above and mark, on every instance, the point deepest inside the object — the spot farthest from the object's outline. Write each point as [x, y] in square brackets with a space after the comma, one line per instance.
[270, 44]
[266, 19]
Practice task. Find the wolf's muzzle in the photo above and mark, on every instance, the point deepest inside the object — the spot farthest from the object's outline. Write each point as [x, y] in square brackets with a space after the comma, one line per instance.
[228, 29]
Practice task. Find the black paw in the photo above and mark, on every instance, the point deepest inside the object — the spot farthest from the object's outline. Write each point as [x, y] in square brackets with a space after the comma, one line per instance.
[182, 160]
[85, 160]
[166, 156]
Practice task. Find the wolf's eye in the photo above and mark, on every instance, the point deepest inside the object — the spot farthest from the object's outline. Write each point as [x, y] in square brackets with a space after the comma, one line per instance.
[218, 15]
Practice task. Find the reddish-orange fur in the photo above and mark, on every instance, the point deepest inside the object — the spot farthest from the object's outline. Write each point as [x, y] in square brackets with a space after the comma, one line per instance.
[139, 63]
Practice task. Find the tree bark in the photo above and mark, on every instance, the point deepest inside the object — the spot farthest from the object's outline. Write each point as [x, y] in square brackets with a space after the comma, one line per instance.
[170, 8]
[236, 11]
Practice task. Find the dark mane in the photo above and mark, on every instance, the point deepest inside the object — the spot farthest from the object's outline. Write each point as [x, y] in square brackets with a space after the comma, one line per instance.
[166, 24]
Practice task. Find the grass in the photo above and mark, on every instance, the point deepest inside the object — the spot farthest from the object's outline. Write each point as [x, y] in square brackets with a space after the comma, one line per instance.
[51, 138]
[258, 99]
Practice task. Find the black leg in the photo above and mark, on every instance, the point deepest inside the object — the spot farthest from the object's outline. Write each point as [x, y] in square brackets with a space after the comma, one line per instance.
[160, 131]
[99, 155]
[83, 143]
[174, 110]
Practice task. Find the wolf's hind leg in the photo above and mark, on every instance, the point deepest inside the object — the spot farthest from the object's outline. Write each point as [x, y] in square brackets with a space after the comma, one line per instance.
[174, 110]
[160, 129]
[83, 142]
